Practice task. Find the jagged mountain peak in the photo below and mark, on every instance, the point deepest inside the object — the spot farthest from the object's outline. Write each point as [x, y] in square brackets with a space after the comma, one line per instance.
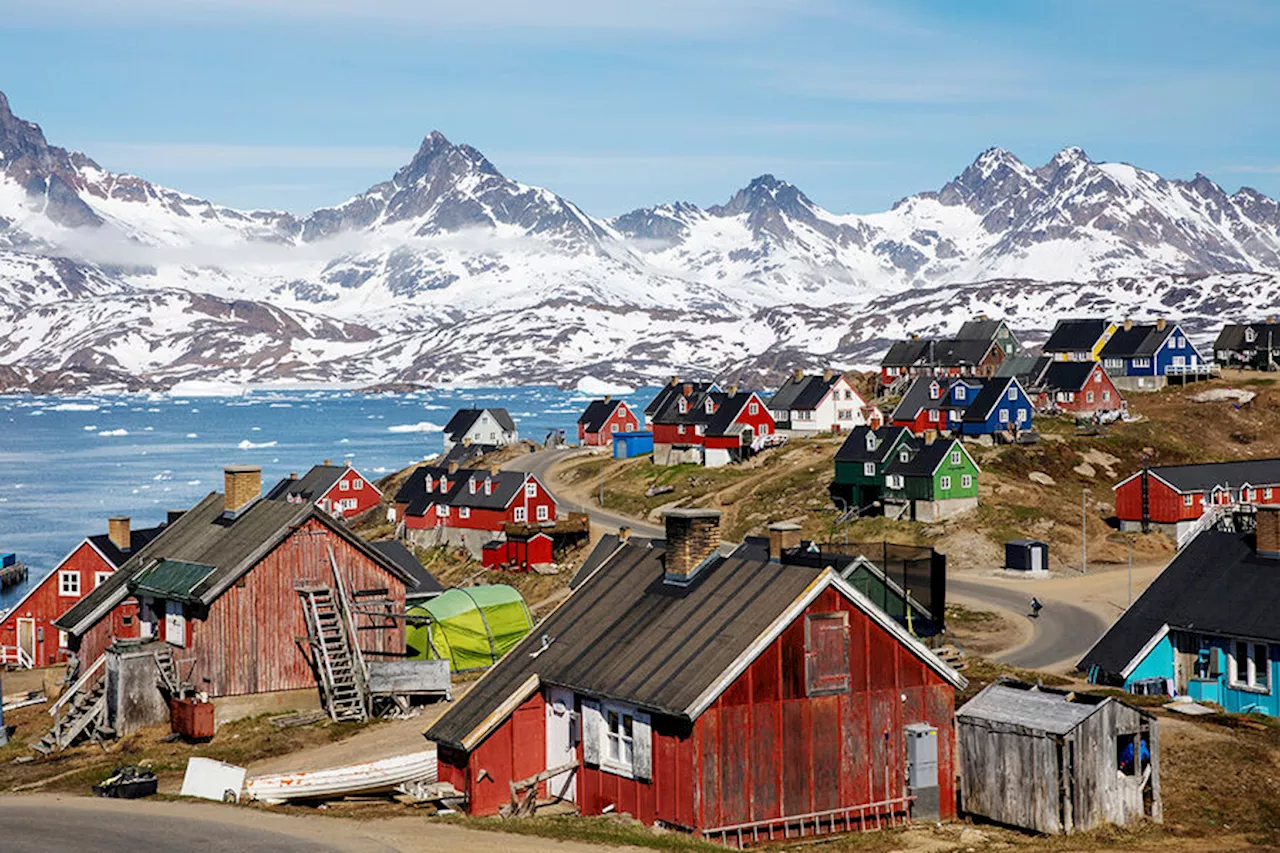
[766, 193]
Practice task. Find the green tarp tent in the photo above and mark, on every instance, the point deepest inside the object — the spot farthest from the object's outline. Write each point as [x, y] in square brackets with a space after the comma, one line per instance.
[471, 628]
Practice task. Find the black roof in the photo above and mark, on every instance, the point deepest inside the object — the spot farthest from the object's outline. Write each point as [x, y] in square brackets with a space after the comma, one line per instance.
[924, 459]
[1140, 340]
[506, 485]
[138, 539]
[1204, 476]
[598, 411]
[461, 453]
[1076, 335]
[917, 396]
[803, 394]
[728, 407]
[1232, 336]
[1067, 375]
[905, 353]
[958, 353]
[1217, 585]
[425, 584]
[981, 406]
[310, 486]
[673, 389]
[854, 448]
[464, 419]
[204, 536]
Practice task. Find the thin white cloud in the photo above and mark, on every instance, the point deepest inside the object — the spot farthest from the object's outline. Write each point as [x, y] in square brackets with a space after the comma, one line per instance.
[1251, 169]
[196, 156]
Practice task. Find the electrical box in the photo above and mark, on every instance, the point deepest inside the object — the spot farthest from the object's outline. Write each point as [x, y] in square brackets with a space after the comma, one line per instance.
[922, 756]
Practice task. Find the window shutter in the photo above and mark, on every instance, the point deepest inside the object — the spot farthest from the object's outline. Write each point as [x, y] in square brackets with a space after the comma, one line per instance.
[592, 729]
[642, 746]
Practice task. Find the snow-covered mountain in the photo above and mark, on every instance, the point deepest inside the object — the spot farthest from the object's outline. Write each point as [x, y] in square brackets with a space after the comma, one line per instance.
[451, 272]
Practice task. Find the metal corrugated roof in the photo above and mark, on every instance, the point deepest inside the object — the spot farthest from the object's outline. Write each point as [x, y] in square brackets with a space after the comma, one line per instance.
[1031, 709]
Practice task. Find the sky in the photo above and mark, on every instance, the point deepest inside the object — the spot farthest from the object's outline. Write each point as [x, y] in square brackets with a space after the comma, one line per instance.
[298, 104]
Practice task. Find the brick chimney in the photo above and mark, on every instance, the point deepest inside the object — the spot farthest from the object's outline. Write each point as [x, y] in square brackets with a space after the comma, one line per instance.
[798, 375]
[328, 463]
[692, 536]
[1268, 542]
[242, 486]
[608, 398]
[453, 467]
[688, 390]
[930, 436]
[733, 390]
[1128, 325]
[118, 531]
[293, 475]
[624, 535]
[783, 536]
[827, 374]
[674, 381]
[1160, 324]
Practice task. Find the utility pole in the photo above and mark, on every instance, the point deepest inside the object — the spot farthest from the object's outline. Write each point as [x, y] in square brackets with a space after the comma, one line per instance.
[602, 482]
[1084, 538]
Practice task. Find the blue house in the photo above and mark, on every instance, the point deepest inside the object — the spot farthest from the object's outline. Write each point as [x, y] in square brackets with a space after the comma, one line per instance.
[1002, 404]
[1142, 357]
[1209, 624]
[629, 444]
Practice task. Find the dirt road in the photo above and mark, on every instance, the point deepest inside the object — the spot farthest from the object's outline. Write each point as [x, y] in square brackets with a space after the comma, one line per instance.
[35, 824]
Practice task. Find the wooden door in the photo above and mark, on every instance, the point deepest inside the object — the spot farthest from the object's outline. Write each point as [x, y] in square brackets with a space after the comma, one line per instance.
[27, 637]
[175, 623]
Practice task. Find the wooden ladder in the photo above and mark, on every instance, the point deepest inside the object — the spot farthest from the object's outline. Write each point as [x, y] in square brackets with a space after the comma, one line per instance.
[80, 712]
[342, 680]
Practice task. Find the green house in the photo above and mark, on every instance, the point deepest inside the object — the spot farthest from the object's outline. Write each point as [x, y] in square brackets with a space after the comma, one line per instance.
[861, 459]
[930, 481]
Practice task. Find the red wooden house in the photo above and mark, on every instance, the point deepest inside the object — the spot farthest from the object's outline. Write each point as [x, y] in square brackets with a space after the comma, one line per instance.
[472, 499]
[711, 427]
[1078, 387]
[1173, 497]
[716, 692]
[28, 626]
[603, 419]
[219, 583]
[337, 489]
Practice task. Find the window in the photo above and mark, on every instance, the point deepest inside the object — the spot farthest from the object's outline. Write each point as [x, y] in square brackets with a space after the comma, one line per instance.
[1250, 665]
[868, 469]
[934, 391]
[1142, 362]
[1187, 500]
[826, 653]
[960, 389]
[464, 512]
[62, 639]
[844, 415]
[894, 481]
[1179, 343]
[99, 578]
[1097, 377]
[68, 583]
[955, 457]
[753, 409]
[966, 482]
[544, 512]
[430, 482]
[343, 485]
[1004, 416]
[764, 429]
[442, 510]
[1013, 394]
[1106, 396]
[619, 738]
[530, 489]
[1250, 335]
[945, 484]
[631, 427]
[680, 429]
[357, 484]
[871, 441]
[848, 395]
[521, 514]
[1022, 416]
[711, 406]
[933, 415]
[904, 454]
[683, 405]
[1088, 396]
[1266, 494]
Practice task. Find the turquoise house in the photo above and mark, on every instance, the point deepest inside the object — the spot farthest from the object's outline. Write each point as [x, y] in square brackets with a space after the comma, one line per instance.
[1209, 625]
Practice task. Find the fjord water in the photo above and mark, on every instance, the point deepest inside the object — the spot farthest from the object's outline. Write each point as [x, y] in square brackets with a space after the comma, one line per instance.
[66, 464]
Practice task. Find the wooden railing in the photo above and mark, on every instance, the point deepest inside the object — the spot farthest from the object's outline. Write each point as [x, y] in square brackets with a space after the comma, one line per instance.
[87, 678]
[16, 656]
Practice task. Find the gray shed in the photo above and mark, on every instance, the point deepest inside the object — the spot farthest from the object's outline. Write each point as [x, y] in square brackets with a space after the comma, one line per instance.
[1054, 761]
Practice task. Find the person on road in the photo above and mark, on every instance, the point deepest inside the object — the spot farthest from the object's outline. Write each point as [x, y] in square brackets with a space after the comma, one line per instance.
[1036, 607]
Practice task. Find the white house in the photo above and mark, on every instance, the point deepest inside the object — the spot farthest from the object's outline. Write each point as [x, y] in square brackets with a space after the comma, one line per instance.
[483, 427]
[813, 404]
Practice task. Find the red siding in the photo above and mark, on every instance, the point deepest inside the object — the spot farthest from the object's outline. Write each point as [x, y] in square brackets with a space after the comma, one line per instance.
[1081, 405]
[761, 422]
[485, 519]
[44, 604]
[670, 434]
[1165, 505]
[515, 750]
[366, 497]
[621, 418]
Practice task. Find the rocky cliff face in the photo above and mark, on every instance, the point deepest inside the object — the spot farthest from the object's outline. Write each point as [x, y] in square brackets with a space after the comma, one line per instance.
[452, 272]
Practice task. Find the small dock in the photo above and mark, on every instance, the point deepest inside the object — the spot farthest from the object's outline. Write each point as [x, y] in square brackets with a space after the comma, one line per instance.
[12, 572]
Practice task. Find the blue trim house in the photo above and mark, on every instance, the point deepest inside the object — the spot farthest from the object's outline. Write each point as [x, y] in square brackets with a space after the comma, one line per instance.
[1142, 357]
[1209, 624]
[1001, 405]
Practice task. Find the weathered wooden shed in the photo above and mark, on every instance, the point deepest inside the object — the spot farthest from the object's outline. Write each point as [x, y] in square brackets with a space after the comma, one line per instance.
[1054, 761]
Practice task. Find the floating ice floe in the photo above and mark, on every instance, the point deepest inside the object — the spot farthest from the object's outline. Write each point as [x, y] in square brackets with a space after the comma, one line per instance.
[422, 426]
[193, 435]
[113, 433]
[249, 445]
[90, 427]
[591, 385]
[75, 407]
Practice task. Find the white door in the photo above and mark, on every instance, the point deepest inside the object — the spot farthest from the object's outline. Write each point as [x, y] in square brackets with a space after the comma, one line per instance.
[27, 637]
[560, 742]
[175, 623]
[1037, 559]
[147, 618]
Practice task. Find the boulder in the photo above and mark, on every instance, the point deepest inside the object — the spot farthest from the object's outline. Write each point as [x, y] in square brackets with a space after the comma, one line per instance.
[1042, 478]
[1084, 469]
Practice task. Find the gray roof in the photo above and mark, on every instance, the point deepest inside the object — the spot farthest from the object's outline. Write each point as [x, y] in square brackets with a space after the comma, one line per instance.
[1036, 710]
[464, 419]
[979, 330]
[671, 390]
[905, 353]
[958, 352]
[138, 539]
[506, 485]
[1203, 477]
[204, 536]
[1067, 375]
[1232, 336]
[854, 448]
[597, 413]
[1027, 368]
[425, 584]
[803, 394]
[311, 486]
[924, 459]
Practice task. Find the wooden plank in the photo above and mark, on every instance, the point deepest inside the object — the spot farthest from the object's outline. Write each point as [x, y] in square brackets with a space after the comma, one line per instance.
[409, 676]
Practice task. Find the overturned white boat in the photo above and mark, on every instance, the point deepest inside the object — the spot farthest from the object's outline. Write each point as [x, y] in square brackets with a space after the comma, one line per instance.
[373, 777]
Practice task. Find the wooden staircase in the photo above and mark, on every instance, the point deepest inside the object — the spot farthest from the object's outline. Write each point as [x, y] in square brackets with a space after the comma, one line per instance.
[952, 656]
[81, 712]
[168, 677]
[338, 663]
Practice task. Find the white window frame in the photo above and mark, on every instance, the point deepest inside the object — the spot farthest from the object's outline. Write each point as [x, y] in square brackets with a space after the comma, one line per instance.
[520, 514]
[934, 415]
[543, 512]
[357, 484]
[1088, 396]
[894, 481]
[1188, 500]
[945, 483]
[442, 510]
[464, 512]
[1106, 396]
[1266, 494]
[1022, 416]
[1251, 682]
[955, 457]
[530, 489]
[868, 469]
[1013, 394]
[753, 408]
[343, 485]
[69, 583]
[966, 481]
[960, 392]
[1004, 416]
[99, 578]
